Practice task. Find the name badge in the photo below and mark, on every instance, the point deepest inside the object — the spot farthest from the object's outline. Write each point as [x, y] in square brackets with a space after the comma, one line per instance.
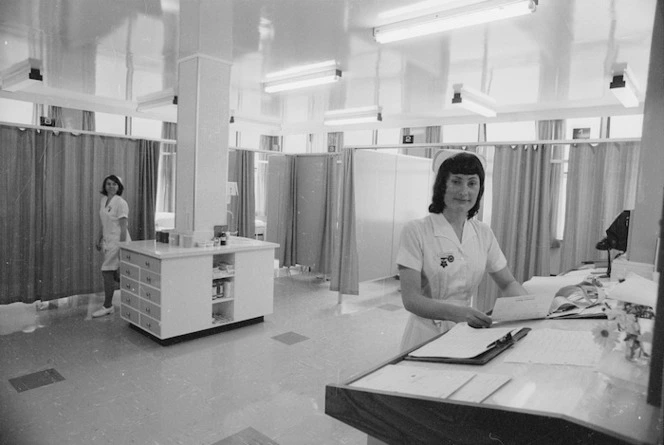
[445, 259]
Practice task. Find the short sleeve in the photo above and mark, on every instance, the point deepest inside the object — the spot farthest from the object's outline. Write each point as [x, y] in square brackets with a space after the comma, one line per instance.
[410, 252]
[123, 209]
[495, 260]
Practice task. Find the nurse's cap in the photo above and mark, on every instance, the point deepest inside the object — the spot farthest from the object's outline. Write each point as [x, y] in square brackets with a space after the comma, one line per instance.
[446, 153]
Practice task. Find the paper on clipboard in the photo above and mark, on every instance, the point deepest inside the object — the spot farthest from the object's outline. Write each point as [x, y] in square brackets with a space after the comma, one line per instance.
[462, 341]
[523, 307]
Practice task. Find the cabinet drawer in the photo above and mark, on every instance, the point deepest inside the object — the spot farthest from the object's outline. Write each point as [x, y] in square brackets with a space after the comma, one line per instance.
[129, 270]
[150, 293]
[129, 314]
[129, 299]
[150, 309]
[151, 325]
[127, 284]
[151, 264]
[131, 257]
[151, 278]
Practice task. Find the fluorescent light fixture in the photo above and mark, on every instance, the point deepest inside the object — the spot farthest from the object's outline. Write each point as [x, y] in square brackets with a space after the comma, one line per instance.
[461, 17]
[302, 77]
[353, 116]
[166, 98]
[473, 100]
[624, 86]
[22, 75]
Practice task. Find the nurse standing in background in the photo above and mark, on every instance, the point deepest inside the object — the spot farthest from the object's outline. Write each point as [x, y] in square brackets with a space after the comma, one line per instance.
[443, 256]
[113, 212]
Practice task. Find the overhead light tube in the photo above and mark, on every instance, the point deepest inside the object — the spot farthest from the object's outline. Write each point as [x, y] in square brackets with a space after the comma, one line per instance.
[473, 100]
[350, 116]
[456, 18]
[302, 77]
[22, 76]
[624, 87]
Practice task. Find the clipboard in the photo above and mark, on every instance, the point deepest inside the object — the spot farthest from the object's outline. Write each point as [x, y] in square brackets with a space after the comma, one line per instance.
[489, 354]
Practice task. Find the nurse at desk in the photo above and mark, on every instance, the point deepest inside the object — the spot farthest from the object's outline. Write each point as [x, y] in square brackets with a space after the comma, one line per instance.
[443, 256]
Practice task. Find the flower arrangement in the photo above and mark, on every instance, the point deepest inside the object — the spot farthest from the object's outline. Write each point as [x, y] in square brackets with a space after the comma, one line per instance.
[632, 322]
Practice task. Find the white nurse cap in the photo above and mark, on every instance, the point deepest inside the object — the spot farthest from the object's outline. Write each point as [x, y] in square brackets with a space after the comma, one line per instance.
[446, 153]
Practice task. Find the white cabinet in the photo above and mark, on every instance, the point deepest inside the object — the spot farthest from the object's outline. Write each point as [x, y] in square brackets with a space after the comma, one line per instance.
[171, 291]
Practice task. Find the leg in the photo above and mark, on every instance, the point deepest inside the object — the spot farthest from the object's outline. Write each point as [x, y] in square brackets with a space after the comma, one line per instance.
[109, 287]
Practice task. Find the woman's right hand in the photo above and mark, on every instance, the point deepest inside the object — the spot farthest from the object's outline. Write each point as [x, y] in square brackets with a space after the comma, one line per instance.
[98, 245]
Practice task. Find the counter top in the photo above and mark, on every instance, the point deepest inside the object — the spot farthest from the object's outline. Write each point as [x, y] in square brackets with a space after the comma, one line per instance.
[161, 250]
[602, 404]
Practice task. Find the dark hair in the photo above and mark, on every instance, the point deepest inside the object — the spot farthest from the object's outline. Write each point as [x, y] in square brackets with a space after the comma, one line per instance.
[115, 179]
[461, 164]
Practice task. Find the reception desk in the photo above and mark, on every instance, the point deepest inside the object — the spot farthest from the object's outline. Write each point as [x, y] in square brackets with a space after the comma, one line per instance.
[540, 404]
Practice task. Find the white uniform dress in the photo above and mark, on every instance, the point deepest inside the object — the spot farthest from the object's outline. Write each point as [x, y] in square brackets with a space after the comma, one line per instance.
[451, 270]
[110, 222]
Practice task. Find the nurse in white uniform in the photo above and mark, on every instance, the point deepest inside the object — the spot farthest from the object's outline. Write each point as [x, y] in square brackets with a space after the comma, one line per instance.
[113, 212]
[443, 256]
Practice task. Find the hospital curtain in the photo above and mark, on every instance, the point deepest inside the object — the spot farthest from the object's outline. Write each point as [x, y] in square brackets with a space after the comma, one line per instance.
[20, 227]
[88, 121]
[345, 266]
[148, 162]
[331, 186]
[281, 208]
[601, 184]
[55, 113]
[520, 211]
[243, 206]
[50, 204]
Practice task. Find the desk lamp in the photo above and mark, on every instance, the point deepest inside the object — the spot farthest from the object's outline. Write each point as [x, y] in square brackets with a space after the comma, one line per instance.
[616, 237]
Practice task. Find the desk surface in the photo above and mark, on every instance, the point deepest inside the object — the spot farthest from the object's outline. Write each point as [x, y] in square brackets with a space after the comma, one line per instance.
[558, 404]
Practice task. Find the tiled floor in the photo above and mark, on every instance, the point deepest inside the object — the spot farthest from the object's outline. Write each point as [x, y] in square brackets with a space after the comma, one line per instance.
[260, 384]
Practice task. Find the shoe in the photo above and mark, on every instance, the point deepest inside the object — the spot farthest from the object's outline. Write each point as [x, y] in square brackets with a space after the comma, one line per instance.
[103, 311]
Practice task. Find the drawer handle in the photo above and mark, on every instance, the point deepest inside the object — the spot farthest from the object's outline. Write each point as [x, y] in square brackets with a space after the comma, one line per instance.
[148, 279]
[147, 294]
[127, 286]
[128, 300]
[128, 272]
[149, 325]
[147, 264]
[128, 315]
[147, 309]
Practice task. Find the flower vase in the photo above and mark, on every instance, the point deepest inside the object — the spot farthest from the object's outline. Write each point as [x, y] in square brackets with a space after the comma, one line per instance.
[633, 351]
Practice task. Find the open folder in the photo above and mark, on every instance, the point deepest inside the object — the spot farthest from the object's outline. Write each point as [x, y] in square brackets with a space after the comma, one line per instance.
[463, 344]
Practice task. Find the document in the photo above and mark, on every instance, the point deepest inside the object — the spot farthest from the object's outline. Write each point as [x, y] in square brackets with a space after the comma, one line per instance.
[523, 307]
[462, 342]
[415, 380]
[557, 347]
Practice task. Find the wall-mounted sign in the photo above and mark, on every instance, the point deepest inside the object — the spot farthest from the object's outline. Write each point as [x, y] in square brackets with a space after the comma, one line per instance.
[331, 148]
[581, 133]
[407, 139]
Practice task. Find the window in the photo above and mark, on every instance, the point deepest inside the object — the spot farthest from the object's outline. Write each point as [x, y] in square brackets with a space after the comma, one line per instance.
[15, 111]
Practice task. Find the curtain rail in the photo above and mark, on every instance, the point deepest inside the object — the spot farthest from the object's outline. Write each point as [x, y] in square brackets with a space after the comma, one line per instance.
[93, 133]
[492, 143]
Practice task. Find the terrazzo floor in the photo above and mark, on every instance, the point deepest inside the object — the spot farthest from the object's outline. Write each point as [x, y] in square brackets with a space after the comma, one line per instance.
[69, 379]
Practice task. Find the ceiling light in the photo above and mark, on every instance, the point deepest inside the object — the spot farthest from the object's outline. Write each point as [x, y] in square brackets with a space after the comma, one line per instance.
[489, 11]
[22, 75]
[302, 77]
[353, 116]
[166, 98]
[624, 86]
[473, 100]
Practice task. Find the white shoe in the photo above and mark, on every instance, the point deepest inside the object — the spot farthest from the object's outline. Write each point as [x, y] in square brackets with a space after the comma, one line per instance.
[103, 311]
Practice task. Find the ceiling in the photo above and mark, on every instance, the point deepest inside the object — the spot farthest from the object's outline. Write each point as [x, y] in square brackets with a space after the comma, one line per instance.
[101, 55]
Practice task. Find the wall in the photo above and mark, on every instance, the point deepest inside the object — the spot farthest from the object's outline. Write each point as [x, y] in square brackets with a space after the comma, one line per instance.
[644, 224]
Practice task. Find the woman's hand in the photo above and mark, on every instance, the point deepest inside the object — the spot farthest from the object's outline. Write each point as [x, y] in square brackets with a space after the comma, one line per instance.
[474, 318]
[98, 245]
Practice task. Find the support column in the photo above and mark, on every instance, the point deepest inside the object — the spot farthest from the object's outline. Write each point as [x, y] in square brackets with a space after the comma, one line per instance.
[204, 69]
